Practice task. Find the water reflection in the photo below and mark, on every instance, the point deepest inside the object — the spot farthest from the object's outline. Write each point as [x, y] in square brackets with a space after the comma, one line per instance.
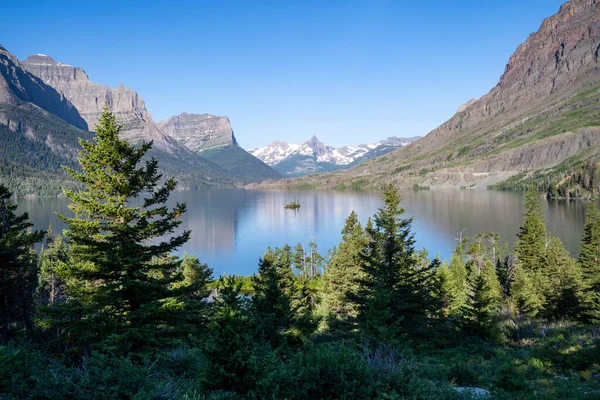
[231, 228]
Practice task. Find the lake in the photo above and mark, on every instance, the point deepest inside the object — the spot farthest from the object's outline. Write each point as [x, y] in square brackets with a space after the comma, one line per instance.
[232, 227]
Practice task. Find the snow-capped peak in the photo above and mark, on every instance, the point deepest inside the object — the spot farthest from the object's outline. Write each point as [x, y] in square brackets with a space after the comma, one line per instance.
[313, 155]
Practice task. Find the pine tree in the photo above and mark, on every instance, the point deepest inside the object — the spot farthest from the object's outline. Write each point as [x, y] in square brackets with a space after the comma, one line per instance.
[589, 261]
[480, 311]
[444, 292]
[54, 258]
[121, 285]
[457, 279]
[271, 301]
[18, 269]
[525, 295]
[196, 279]
[299, 260]
[530, 260]
[343, 275]
[531, 243]
[396, 295]
[565, 291]
[232, 352]
[314, 259]
[304, 303]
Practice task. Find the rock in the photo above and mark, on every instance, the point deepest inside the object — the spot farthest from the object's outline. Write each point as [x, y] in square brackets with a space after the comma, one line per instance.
[466, 105]
[89, 99]
[199, 131]
[17, 87]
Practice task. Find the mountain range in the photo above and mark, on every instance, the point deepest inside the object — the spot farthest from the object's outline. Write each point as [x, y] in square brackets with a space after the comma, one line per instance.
[212, 138]
[540, 125]
[313, 156]
[46, 106]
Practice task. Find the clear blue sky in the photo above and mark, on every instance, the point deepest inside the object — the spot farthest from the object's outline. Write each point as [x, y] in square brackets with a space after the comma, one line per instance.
[347, 71]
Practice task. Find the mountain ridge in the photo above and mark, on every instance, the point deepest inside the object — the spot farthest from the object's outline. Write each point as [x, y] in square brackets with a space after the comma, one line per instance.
[518, 132]
[36, 115]
[314, 156]
[212, 137]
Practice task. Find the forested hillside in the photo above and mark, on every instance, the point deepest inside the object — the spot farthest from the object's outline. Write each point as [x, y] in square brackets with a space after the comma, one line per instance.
[34, 145]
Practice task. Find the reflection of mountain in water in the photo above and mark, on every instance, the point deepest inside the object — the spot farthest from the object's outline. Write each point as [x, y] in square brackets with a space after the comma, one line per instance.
[213, 217]
[232, 228]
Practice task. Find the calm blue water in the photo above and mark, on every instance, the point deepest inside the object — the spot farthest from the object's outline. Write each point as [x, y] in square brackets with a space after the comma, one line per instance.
[231, 228]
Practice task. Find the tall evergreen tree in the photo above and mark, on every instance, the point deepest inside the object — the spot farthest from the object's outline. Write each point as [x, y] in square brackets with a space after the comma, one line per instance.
[299, 260]
[480, 311]
[314, 259]
[343, 275]
[531, 276]
[232, 353]
[457, 279]
[565, 291]
[54, 257]
[271, 302]
[396, 294]
[444, 290]
[18, 269]
[196, 279]
[531, 239]
[117, 291]
[589, 261]
[525, 295]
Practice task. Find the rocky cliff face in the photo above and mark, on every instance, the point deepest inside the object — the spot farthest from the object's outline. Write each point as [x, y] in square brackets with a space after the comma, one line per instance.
[547, 99]
[38, 131]
[212, 137]
[18, 87]
[199, 132]
[89, 98]
[557, 60]
[67, 92]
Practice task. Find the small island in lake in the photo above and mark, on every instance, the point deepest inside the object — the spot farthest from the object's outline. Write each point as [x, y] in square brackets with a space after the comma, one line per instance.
[294, 205]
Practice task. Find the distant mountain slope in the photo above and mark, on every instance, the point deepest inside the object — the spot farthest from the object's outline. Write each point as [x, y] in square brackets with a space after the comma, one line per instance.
[313, 156]
[34, 145]
[199, 131]
[89, 98]
[240, 164]
[35, 140]
[212, 137]
[539, 125]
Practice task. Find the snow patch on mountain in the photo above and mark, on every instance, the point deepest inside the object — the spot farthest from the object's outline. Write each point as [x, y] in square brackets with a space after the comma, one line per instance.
[314, 156]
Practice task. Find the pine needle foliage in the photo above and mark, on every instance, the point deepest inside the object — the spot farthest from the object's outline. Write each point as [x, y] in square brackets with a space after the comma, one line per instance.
[123, 288]
[18, 269]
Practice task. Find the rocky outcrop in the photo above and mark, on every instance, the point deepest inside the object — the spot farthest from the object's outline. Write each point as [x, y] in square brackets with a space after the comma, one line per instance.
[18, 87]
[38, 132]
[89, 99]
[212, 137]
[560, 58]
[42, 85]
[199, 132]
